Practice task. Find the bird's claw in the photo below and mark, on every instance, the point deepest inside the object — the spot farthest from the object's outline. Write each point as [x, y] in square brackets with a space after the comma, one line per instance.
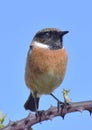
[39, 114]
[63, 105]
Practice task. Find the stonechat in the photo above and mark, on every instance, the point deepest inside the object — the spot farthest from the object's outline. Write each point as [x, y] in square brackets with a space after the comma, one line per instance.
[46, 65]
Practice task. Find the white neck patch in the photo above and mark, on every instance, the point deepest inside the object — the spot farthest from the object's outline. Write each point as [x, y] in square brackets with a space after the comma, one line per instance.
[63, 47]
[40, 45]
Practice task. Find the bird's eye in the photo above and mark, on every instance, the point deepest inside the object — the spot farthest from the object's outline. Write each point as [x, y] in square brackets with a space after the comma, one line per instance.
[44, 35]
[47, 34]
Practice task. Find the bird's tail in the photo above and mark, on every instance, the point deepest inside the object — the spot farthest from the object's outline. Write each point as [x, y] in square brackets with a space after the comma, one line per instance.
[32, 103]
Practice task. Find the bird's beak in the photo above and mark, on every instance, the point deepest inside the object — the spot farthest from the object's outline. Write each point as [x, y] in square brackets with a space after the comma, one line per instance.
[63, 32]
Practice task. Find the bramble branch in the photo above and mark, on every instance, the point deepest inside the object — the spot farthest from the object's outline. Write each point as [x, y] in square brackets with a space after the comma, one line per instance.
[31, 119]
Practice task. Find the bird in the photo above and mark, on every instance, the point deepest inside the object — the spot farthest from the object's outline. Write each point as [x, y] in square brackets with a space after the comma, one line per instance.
[45, 65]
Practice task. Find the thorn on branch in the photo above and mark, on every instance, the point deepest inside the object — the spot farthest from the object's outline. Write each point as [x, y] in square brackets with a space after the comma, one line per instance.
[30, 120]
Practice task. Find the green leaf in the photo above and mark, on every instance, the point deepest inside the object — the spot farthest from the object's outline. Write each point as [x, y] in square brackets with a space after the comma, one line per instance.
[1, 126]
[2, 119]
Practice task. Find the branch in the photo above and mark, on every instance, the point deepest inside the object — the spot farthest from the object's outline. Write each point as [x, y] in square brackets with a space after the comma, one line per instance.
[52, 112]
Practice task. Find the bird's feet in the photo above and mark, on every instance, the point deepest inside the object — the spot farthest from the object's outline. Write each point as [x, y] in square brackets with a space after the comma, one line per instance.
[39, 114]
[62, 106]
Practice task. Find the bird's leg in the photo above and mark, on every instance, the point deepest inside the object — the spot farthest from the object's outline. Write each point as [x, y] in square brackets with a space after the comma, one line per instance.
[38, 113]
[59, 103]
[35, 102]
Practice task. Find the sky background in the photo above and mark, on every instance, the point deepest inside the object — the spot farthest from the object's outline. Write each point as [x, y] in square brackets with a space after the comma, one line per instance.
[19, 21]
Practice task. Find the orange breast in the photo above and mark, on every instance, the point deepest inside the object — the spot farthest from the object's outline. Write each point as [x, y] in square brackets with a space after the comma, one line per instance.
[45, 69]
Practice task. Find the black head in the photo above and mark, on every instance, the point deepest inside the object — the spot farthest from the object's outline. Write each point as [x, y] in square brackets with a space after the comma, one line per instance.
[51, 37]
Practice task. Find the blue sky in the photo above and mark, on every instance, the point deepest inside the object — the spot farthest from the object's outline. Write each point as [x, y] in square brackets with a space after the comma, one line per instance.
[19, 21]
